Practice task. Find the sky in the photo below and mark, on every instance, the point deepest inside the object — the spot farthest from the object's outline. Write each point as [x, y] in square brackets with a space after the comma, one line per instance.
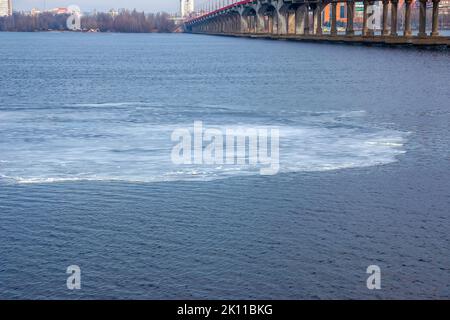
[170, 6]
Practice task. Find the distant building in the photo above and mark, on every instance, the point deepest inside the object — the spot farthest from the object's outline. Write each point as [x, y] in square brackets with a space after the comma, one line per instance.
[35, 12]
[186, 7]
[341, 14]
[5, 8]
[444, 7]
[59, 11]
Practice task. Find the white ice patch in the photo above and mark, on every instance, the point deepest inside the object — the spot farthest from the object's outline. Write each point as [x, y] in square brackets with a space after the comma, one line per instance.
[85, 142]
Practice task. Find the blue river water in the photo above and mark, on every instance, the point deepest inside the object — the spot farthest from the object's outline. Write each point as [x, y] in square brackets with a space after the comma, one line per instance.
[86, 176]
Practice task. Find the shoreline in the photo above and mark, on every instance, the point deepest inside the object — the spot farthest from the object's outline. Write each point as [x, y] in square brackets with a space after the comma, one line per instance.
[439, 42]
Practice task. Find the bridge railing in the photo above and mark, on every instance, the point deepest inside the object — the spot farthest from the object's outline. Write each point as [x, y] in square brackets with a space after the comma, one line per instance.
[212, 7]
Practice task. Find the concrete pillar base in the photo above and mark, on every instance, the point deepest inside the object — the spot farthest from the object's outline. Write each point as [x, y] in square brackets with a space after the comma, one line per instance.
[435, 19]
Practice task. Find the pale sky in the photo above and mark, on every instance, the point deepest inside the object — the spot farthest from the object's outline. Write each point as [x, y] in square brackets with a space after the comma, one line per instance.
[170, 6]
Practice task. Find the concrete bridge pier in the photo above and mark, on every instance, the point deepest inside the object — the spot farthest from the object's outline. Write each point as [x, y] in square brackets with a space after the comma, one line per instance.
[394, 13]
[317, 18]
[236, 23]
[291, 21]
[260, 20]
[266, 17]
[300, 18]
[281, 11]
[385, 30]
[333, 30]
[306, 23]
[350, 31]
[365, 13]
[248, 19]
[407, 26]
[435, 19]
[243, 24]
[422, 18]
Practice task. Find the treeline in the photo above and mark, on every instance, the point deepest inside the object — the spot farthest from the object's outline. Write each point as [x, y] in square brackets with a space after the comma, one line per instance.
[131, 22]
[124, 21]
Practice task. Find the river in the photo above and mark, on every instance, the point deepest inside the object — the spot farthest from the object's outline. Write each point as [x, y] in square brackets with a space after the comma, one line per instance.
[86, 176]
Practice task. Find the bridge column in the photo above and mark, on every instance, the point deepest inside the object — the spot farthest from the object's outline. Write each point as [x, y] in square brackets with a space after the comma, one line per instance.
[318, 19]
[435, 19]
[249, 24]
[274, 25]
[350, 14]
[281, 21]
[385, 30]
[306, 26]
[394, 14]
[260, 24]
[365, 29]
[407, 28]
[333, 18]
[254, 24]
[422, 18]
[243, 24]
[291, 22]
[300, 20]
[225, 24]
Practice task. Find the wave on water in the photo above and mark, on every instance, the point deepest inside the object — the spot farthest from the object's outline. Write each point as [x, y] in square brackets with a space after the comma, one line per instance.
[117, 142]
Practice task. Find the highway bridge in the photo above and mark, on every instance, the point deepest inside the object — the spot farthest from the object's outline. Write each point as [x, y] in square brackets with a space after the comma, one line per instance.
[303, 20]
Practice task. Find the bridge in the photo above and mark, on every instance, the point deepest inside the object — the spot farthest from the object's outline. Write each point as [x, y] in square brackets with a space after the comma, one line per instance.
[302, 20]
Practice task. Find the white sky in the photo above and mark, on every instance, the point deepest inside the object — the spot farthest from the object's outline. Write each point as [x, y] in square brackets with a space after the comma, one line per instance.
[170, 6]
